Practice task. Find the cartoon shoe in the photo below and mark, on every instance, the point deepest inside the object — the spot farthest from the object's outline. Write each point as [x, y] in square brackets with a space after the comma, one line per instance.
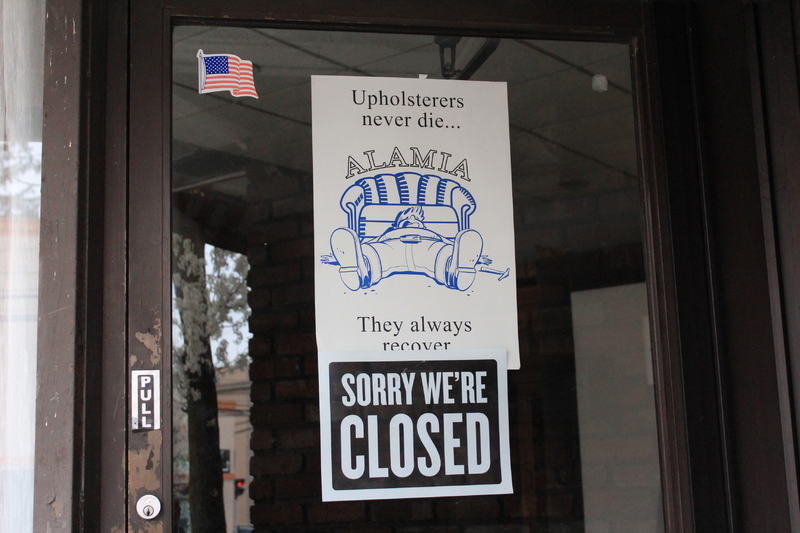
[346, 248]
[467, 250]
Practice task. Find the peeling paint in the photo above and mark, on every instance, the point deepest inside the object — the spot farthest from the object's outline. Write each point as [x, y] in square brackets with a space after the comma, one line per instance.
[144, 476]
[58, 508]
[151, 527]
[152, 342]
[143, 464]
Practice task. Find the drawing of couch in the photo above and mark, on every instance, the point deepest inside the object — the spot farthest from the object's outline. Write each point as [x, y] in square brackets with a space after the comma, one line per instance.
[407, 223]
[372, 203]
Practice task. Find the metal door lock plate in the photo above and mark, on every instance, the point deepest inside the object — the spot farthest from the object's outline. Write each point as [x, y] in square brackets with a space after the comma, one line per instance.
[148, 507]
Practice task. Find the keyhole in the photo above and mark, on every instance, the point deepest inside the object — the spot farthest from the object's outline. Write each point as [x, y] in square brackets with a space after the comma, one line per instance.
[148, 511]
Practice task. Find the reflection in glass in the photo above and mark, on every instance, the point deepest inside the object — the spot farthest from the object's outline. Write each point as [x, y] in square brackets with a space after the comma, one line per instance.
[21, 71]
[210, 315]
[583, 432]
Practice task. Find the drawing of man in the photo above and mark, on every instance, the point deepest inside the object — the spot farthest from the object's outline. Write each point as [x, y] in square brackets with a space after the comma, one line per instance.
[407, 247]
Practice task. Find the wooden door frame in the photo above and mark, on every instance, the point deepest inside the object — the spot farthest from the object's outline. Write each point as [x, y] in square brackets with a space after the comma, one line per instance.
[123, 154]
[773, 37]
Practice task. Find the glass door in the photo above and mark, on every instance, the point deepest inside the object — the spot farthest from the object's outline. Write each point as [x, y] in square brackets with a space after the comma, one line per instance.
[244, 433]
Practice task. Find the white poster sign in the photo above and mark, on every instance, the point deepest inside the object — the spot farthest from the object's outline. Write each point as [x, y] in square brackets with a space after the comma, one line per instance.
[413, 215]
[433, 424]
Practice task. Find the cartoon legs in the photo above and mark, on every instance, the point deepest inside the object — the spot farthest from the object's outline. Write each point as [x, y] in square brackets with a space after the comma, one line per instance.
[356, 270]
[451, 262]
[461, 265]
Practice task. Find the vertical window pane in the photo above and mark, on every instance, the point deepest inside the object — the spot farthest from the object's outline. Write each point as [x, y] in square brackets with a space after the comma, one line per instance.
[21, 68]
[583, 432]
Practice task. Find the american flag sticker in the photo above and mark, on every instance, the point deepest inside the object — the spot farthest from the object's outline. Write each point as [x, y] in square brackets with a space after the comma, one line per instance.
[225, 72]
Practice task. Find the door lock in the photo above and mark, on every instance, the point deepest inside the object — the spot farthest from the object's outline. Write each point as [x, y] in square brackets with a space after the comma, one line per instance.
[148, 507]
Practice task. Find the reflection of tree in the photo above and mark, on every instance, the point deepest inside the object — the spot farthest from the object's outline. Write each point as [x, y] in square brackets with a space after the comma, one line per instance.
[20, 178]
[205, 303]
[19, 157]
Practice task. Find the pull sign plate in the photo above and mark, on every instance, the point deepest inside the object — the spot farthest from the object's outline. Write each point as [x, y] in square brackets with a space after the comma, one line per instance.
[145, 400]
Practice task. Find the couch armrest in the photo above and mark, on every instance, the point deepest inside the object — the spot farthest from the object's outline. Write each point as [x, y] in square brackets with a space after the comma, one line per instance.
[464, 205]
[352, 203]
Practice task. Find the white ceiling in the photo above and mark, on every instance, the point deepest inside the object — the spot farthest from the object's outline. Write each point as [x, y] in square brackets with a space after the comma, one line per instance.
[566, 139]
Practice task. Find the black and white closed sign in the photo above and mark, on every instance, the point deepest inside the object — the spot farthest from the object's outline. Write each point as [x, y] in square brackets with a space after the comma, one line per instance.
[395, 427]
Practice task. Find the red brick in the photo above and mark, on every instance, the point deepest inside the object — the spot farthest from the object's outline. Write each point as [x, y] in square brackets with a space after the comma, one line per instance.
[259, 345]
[301, 487]
[308, 318]
[261, 489]
[527, 297]
[289, 250]
[313, 464]
[295, 343]
[260, 392]
[311, 413]
[306, 223]
[532, 240]
[295, 438]
[556, 344]
[284, 513]
[401, 510]
[311, 366]
[293, 295]
[275, 464]
[519, 506]
[272, 231]
[556, 506]
[524, 317]
[430, 529]
[263, 322]
[525, 270]
[469, 508]
[307, 268]
[256, 252]
[261, 439]
[260, 276]
[261, 369]
[287, 367]
[551, 295]
[270, 415]
[323, 513]
[374, 529]
[298, 388]
[258, 298]
[556, 318]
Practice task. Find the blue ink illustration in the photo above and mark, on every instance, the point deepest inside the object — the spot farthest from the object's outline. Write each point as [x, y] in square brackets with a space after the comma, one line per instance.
[408, 223]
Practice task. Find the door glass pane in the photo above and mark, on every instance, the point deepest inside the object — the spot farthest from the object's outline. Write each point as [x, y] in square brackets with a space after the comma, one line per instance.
[246, 419]
[21, 84]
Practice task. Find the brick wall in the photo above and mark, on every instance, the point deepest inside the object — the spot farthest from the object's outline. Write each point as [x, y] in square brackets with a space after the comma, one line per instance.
[285, 417]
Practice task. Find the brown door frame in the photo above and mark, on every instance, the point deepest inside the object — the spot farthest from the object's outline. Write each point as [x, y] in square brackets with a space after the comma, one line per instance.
[120, 120]
[149, 186]
[773, 34]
